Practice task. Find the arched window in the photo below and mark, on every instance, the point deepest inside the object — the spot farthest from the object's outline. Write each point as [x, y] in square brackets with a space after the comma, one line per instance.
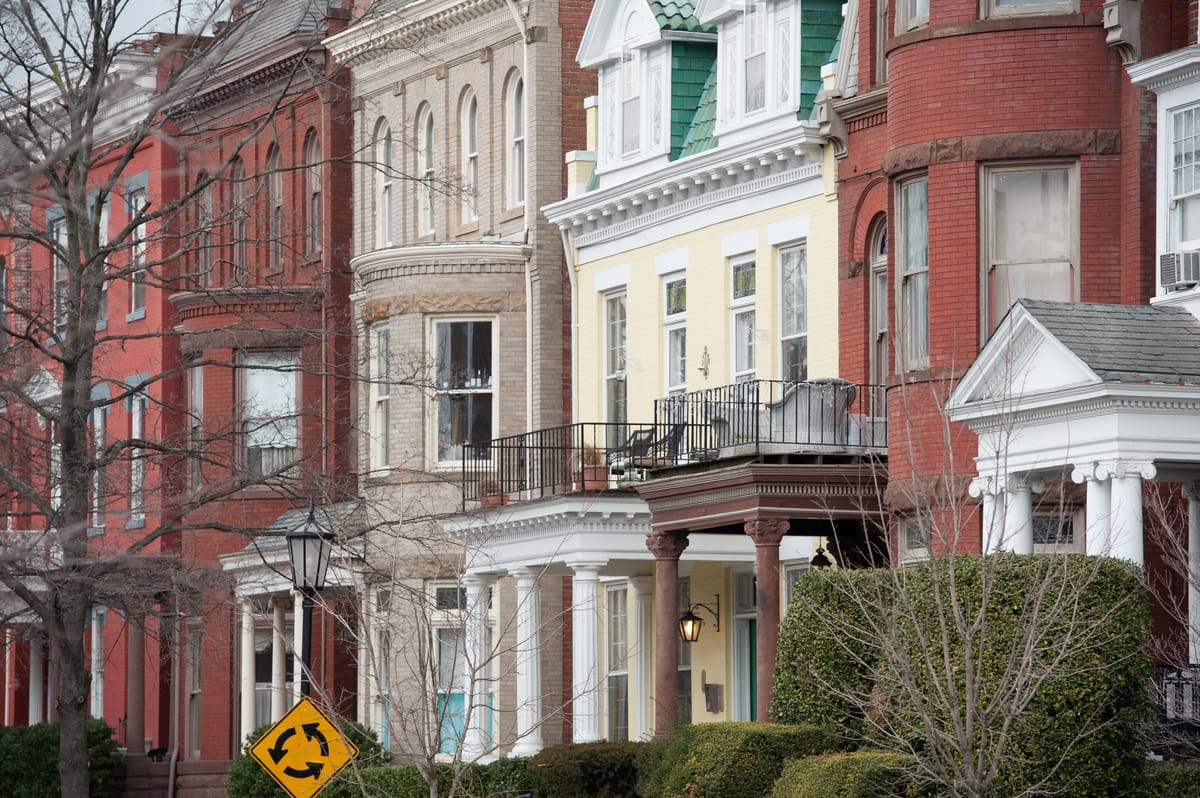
[877, 252]
[384, 174]
[274, 181]
[312, 190]
[469, 143]
[425, 161]
[204, 220]
[516, 142]
[240, 216]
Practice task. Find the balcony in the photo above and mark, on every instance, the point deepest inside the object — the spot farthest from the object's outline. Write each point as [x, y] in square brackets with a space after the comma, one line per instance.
[746, 419]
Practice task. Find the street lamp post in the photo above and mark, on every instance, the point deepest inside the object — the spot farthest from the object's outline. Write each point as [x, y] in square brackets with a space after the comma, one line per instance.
[309, 546]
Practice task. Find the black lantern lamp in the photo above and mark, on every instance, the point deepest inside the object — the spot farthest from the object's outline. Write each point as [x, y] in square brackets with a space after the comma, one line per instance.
[820, 560]
[690, 622]
[309, 546]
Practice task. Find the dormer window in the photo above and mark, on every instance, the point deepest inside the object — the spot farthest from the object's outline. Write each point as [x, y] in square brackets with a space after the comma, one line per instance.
[759, 71]
[755, 91]
[630, 102]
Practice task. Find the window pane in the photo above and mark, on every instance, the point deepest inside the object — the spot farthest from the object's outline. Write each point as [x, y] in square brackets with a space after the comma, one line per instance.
[463, 418]
[1031, 215]
[676, 297]
[743, 280]
[677, 356]
[743, 325]
[464, 354]
[795, 291]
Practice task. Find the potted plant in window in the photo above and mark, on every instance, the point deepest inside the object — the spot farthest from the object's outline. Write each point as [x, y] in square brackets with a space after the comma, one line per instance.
[593, 470]
[490, 494]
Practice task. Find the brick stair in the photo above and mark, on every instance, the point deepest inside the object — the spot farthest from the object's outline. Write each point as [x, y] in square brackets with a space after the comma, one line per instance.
[193, 779]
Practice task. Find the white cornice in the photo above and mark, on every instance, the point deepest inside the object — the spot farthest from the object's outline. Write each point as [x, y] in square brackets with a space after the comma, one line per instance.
[407, 27]
[691, 185]
[1167, 70]
[380, 263]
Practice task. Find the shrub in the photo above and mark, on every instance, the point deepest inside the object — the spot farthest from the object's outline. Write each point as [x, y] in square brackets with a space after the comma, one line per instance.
[29, 760]
[1081, 731]
[247, 779]
[1173, 779]
[732, 760]
[585, 770]
[861, 774]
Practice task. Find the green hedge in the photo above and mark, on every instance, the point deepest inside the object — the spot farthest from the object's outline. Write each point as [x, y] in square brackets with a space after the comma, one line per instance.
[502, 778]
[732, 760]
[29, 760]
[1085, 718]
[247, 779]
[1172, 779]
[861, 774]
[586, 770]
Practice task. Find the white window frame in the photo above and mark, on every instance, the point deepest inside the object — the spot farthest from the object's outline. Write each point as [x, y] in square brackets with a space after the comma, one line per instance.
[454, 621]
[448, 451]
[312, 192]
[754, 23]
[615, 354]
[379, 393]
[912, 288]
[993, 268]
[1182, 177]
[877, 243]
[283, 370]
[138, 202]
[616, 651]
[743, 354]
[916, 536]
[675, 332]
[99, 502]
[1064, 517]
[238, 202]
[1022, 8]
[912, 14]
[61, 275]
[516, 122]
[274, 196]
[793, 328]
[630, 80]
[138, 404]
[195, 410]
[426, 160]
[204, 240]
[384, 174]
[469, 145]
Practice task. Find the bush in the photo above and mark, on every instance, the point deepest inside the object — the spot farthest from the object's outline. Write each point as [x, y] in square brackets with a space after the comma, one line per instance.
[247, 779]
[1081, 731]
[861, 774]
[585, 770]
[732, 760]
[29, 760]
[502, 778]
[1172, 779]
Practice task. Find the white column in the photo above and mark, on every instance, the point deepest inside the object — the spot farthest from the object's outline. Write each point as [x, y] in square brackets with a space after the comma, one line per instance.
[642, 726]
[366, 663]
[1099, 506]
[10, 664]
[1127, 539]
[278, 660]
[36, 674]
[247, 670]
[477, 661]
[585, 651]
[529, 665]
[297, 643]
[97, 696]
[1192, 492]
[1018, 520]
[992, 519]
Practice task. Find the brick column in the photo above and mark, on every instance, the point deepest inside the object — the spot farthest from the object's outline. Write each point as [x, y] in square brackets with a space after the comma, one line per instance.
[766, 534]
[135, 687]
[666, 548]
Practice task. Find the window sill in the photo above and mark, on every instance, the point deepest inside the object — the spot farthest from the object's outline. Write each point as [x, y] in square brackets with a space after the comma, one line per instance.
[136, 315]
[95, 531]
[101, 325]
[466, 228]
[515, 212]
[136, 523]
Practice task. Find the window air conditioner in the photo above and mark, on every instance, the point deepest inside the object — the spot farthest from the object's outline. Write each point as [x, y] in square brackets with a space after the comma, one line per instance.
[1179, 270]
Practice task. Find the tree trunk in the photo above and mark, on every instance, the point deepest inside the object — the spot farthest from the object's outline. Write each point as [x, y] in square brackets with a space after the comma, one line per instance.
[74, 682]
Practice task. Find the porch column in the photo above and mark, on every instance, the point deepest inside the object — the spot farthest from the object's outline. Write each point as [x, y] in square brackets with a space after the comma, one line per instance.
[1127, 539]
[37, 699]
[643, 645]
[298, 645]
[585, 651]
[135, 687]
[476, 658]
[278, 661]
[1192, 491]
[366, 662]
[529, 665]
[766, 534]
[666, 548]
[1098, 535]
[97, 696]
[992, 520]
[1018, 521]
[246, 672]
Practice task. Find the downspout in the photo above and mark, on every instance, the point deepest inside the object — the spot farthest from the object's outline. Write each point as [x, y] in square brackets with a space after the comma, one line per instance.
[524, 31]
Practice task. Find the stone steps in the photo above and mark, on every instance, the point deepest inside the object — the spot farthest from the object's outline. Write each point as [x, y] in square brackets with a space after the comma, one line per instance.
[193, 779]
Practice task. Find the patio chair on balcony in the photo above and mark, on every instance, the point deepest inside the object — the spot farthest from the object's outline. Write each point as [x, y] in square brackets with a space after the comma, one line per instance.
[642, 451]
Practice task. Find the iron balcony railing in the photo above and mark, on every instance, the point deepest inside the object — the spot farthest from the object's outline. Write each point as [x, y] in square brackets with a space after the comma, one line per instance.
[746, 418]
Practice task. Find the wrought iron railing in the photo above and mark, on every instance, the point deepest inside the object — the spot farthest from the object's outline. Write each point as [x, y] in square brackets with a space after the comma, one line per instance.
[1178, 691]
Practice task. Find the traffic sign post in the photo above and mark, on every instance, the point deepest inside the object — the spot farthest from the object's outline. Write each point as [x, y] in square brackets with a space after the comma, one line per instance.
[303, 750]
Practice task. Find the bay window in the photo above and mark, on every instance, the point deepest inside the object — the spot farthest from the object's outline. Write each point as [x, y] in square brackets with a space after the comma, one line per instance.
[912, 266]
[269, 413]
[793, 267]
[464, 392]
[1030, 217]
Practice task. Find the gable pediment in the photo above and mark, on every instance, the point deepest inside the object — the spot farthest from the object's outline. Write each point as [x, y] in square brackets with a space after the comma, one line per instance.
[613, 25]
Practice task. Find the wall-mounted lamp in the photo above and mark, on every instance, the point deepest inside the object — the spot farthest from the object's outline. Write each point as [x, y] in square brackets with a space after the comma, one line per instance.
[820, 560]
[690, 622]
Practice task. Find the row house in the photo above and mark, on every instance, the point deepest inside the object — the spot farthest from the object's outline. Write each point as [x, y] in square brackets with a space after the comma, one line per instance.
[462, 112]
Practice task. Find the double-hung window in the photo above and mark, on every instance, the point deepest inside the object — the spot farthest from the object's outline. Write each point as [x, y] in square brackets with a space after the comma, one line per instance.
[101, 242]
[1183, 216]
[469, 142]
[879, 315]
[916, 535]
[138, 403]
[204, 242]
[631, 91]
[1031, 217]
[426, 149]
[614, 357]
[137, 257]
[380, 395]
[617, 681]
[755, 87]
[384, 176]
[464, 392]
[912, 265]
[195, 410]
[675, 326]
[516, 143]
[793, 297]
[312, 191]
[269, 413]
[58, 234]
[99, 459]
[742, 317]
[274, 184]
[241, 220]
[911, 14]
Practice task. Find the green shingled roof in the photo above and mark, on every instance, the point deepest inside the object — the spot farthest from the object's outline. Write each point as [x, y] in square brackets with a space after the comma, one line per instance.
[691, 68]
[678, 15]
[700, 135]
[820, 26]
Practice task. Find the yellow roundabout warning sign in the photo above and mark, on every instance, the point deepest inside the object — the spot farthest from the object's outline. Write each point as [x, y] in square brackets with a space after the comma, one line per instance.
[304, 750]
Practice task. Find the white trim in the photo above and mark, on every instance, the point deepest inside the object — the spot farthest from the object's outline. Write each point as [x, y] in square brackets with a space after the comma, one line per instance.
[789, 230]
[674, 261]
[743, 243]
[613, 277]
